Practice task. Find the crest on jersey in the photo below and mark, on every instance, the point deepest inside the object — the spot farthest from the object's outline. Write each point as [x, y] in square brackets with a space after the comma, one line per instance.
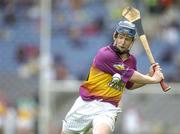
[119, 66]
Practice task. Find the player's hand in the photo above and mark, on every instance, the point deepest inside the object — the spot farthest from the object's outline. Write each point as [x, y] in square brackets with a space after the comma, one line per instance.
[152, 69]
[116, 79]
[158, 75]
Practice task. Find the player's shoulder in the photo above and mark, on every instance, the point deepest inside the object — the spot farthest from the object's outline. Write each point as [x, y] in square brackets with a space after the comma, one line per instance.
[105, 53]
[106, 50]
[132, 58]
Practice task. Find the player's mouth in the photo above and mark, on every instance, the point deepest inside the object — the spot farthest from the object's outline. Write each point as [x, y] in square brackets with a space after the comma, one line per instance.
[122, 47]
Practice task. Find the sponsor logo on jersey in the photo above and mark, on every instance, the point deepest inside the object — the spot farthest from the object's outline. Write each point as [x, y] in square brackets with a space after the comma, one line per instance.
[119, 66]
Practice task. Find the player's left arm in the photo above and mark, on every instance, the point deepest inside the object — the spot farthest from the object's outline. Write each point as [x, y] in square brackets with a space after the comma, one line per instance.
[138, 85]
[135, 86]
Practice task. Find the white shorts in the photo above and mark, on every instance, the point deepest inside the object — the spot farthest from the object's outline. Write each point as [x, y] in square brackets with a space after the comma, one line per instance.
[87, 114]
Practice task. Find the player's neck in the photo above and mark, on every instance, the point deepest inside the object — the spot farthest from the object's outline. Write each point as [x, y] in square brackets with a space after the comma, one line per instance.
[124, 56]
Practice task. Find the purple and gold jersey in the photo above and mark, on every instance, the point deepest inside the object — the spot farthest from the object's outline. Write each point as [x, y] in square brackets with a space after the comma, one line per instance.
[105, 64]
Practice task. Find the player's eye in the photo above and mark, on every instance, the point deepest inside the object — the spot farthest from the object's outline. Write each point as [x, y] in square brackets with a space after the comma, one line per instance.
[121, 36]
[129, 38]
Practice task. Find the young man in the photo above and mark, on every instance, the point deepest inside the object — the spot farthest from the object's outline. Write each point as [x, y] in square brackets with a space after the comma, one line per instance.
[113, 69]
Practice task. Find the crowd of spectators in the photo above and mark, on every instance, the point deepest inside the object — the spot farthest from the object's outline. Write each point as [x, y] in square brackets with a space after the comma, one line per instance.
[80, 25]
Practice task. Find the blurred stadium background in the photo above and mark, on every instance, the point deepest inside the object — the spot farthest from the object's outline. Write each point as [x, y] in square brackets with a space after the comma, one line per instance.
[47, 46]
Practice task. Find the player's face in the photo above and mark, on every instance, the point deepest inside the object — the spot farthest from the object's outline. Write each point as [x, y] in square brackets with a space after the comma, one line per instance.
[123, 42]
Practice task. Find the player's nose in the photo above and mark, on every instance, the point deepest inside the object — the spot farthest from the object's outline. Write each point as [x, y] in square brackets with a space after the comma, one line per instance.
[123, 40]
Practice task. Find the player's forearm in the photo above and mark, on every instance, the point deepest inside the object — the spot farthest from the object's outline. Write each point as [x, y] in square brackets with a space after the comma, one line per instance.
[136, 85]
[142, 79]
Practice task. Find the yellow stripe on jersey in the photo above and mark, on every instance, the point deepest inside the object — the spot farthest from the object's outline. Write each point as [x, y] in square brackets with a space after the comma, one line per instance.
[97, 85]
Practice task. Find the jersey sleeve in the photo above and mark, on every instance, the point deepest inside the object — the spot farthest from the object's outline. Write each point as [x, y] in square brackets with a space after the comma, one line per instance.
[129, 84]
[106, 62]
[134, 65]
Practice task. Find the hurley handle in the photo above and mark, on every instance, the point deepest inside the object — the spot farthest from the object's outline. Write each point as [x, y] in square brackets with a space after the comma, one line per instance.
[164, 86]
[133, 15]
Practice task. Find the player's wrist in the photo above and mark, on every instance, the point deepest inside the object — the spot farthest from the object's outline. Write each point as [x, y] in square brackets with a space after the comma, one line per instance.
[156, 77]
[149, 74]
[151, 80]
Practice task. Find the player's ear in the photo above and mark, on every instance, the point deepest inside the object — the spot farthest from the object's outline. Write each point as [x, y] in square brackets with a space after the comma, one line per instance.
[114, 36]
[133, 40]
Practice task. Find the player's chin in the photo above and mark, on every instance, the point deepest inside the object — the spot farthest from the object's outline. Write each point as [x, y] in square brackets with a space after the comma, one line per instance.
[122, 49]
